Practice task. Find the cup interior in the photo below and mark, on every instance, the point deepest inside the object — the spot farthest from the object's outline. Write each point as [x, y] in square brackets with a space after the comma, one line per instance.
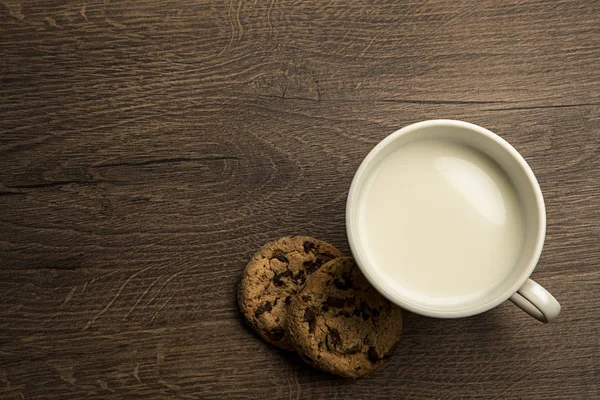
[523, 181]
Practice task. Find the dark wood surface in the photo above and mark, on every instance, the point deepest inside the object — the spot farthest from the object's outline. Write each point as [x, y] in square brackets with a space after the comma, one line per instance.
[148, 148]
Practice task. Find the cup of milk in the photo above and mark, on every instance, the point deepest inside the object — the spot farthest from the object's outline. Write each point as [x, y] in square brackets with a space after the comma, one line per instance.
[447, 220]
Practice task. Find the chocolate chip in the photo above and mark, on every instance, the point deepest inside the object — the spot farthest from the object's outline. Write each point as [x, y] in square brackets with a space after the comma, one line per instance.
[343, 313]
[262, 309]
[300, 278]
[334, 336]
[343, 284]
[309, 315]
[311, 318]
[364, 310]
[276, 334]
[281, 258]
[308, 246]
[338, 302]
[332, 340]
[288, 300]
[311, 266]
[335, 302]
[372, 354]
[277, 278]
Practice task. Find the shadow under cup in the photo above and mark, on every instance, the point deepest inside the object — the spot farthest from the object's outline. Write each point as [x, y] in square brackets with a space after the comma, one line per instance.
[521, 178]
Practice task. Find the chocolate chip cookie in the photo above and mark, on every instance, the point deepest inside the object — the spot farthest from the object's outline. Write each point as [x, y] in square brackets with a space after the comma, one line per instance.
[339, 323]
[273, 276]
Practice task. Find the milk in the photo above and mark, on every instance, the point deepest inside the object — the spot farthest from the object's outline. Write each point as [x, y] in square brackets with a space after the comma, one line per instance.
[441, 221]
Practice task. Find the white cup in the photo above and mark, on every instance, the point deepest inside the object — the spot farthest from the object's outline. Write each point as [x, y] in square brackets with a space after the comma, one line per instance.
[524, 292]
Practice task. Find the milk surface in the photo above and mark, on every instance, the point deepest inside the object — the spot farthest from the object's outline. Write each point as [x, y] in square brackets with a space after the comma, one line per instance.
[442, 221]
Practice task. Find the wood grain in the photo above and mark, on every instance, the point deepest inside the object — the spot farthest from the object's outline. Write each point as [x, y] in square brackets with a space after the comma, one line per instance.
[148, 148]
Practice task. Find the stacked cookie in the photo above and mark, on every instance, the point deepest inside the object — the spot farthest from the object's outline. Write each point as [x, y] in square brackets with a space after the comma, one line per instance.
[300, 293]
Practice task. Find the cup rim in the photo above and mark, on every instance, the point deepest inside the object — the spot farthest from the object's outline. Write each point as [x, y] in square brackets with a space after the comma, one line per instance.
[368, 269]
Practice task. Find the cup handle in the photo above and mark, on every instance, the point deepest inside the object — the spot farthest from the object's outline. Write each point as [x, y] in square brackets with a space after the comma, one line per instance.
[536, 301]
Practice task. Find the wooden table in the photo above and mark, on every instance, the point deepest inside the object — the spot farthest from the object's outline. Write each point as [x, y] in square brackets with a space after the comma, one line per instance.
[149, 148]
